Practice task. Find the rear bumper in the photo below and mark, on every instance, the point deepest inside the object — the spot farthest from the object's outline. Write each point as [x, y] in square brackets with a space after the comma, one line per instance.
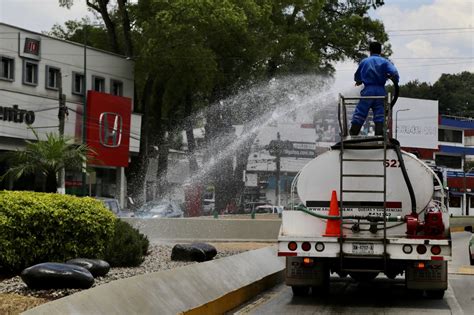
[352, 248]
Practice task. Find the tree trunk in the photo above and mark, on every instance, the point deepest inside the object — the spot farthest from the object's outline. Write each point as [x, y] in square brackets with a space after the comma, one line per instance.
[242, 157]
[136, 171]
[122, 7]
[219, 130]
[51, 183]
[189, 126]
[101, 8]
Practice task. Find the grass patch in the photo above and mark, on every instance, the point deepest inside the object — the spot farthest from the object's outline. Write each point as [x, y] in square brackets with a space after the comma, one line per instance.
[13, 304]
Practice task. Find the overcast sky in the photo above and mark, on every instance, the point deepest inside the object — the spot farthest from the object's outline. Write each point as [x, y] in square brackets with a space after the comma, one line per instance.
[428, 37]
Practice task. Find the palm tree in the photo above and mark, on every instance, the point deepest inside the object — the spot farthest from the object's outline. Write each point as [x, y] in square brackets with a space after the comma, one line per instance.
[47, 157]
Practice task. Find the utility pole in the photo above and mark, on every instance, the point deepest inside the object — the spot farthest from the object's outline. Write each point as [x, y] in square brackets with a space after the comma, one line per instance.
[84, 108]
[62, 116]
[277, 175]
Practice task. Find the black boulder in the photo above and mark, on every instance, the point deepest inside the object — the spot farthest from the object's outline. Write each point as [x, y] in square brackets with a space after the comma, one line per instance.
[193, 252]
[57, 276]
[97, 267]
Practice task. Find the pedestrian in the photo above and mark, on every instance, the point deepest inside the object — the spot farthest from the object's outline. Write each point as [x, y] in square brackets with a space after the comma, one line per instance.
[373, 72]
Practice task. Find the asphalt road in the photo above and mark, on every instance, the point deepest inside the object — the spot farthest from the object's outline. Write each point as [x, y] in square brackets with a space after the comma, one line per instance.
[382, 296]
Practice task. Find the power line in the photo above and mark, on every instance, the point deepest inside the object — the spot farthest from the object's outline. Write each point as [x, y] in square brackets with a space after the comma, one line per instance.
[430, 29]
[433, 58]
[435, 33]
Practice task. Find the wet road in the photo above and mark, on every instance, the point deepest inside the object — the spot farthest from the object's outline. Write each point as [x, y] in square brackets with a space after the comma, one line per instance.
[382, 296]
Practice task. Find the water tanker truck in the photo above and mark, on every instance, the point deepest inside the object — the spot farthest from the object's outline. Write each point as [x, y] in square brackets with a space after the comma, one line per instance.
[366, 208]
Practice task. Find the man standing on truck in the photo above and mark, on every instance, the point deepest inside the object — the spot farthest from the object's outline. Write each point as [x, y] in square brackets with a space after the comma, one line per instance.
[373, 72]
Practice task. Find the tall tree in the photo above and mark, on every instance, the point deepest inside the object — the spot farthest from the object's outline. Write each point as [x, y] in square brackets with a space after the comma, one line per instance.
[191, 53]
[454, 92]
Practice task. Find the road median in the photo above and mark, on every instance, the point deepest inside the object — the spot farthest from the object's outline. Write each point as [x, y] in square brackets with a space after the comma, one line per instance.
[211, 287]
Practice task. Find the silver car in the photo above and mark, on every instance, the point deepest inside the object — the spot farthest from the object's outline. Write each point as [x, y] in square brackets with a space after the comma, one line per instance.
[160, 209]
[114, 206]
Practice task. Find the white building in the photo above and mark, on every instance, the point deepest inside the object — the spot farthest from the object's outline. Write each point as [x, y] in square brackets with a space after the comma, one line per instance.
[32, 67]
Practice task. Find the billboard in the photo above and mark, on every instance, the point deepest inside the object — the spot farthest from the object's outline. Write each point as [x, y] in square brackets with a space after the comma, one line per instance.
[415, 123]
[108, 128]
[292, 149]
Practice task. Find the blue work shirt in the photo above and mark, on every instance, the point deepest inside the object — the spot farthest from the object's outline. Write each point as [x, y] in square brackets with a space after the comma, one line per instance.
[374, 71]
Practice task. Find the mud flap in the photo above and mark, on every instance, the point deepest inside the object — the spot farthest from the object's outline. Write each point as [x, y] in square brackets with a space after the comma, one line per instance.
[434, 276]
[300, 274]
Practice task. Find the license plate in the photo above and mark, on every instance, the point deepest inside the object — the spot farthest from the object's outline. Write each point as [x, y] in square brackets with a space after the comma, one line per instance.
[362, 248]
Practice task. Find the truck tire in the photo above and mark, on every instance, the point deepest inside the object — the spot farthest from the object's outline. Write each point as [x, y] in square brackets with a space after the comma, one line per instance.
[363, 276]
[300, 290]
[435, 294]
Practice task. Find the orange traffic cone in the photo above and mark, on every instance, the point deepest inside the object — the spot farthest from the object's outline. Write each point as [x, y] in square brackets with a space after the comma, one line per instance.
[333, 226]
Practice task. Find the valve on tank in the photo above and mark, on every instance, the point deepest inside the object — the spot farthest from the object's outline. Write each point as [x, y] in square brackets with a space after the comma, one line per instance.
[433, 226]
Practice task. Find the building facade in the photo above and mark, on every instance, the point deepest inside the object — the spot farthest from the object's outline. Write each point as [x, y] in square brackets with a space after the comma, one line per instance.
[35, 70]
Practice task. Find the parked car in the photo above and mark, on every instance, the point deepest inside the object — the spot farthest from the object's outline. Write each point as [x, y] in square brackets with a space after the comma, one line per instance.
[269, 209]
[251, 206]
[160, 209]
[208, 206]
[114, 206]
[470, 247]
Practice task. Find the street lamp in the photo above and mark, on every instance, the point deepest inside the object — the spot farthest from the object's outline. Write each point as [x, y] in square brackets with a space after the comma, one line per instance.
[396, 119]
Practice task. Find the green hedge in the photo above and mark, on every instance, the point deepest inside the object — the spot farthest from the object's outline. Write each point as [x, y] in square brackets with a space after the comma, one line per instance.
[128, 246]
[39, 227]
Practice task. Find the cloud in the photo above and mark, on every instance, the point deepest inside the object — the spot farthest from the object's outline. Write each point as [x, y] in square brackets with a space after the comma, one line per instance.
[425, 55]
[40, 15]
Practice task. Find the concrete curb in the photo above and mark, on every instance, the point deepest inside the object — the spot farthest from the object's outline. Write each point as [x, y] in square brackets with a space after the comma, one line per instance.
[207, 229]
[205, 288]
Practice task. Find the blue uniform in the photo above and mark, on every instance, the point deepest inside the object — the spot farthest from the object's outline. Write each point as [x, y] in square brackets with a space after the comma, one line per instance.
[373, 73]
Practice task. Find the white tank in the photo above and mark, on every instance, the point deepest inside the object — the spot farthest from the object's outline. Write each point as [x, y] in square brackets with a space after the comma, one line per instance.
[320, 177]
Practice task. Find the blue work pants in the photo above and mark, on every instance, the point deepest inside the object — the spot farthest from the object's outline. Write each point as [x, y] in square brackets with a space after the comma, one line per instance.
[377, 105]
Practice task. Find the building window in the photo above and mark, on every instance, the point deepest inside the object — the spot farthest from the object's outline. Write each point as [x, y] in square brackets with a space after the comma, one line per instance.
[448, 161]
[6, 68]
[52, 78]
[30, 72]
[77, 83]
[98, 84]
[116, 87]
[447, 135]
[455, 202]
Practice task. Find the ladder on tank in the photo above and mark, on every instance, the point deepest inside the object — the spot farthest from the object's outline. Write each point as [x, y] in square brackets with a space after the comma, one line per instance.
[354, 143]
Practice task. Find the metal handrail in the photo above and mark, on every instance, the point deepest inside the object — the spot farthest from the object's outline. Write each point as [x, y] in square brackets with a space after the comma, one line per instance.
[342, 117]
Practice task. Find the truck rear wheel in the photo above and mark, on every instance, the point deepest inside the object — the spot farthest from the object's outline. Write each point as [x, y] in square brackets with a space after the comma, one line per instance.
[435, 294]
[300, 290]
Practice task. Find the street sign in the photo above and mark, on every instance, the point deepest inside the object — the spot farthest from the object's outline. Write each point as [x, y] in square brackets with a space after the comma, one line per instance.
[292, 149]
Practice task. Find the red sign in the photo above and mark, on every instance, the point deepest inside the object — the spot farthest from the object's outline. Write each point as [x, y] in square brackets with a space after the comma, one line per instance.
[108, 128]
[32, 46]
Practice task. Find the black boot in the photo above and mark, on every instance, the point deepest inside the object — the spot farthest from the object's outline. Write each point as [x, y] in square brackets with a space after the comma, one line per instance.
[355, 129]
[378, 129]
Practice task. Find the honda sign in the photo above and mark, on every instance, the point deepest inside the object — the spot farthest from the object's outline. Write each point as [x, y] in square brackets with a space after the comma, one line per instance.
[108, 128]
[110, 125]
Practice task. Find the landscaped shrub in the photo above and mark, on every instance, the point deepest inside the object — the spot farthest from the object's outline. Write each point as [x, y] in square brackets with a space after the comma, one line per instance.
[128, 246]
[40, 227]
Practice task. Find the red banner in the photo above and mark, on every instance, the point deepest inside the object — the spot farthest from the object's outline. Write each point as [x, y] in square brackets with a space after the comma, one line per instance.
[108, 128]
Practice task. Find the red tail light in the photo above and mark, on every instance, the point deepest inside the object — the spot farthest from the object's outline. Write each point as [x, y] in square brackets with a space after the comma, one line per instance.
[292, 246]
[306, 246]
[421, 249]
[436, 250]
